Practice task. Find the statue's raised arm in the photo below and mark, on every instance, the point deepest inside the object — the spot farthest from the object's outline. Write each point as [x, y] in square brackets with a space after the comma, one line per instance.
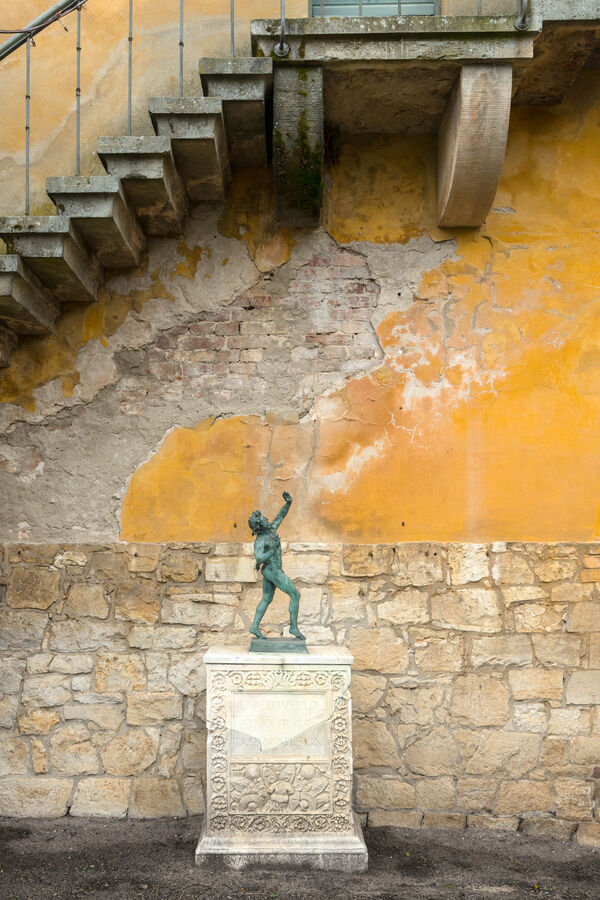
[283, 511]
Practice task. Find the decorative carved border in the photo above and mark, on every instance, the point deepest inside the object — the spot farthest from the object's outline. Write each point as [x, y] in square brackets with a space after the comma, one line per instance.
[338, 815]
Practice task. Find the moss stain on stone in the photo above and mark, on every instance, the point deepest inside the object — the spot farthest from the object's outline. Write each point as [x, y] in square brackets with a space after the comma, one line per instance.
[300, 172]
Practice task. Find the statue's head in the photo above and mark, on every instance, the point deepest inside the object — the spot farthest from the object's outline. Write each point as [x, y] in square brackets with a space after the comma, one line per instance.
[257, 522]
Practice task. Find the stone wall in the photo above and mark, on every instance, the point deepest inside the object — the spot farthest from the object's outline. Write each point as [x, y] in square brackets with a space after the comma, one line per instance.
[475, 689]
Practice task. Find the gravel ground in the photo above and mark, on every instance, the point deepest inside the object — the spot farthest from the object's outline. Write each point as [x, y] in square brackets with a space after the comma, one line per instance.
[70, 857]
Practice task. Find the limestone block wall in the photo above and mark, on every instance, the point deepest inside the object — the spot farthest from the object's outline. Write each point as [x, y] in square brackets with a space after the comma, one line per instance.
[475, 688]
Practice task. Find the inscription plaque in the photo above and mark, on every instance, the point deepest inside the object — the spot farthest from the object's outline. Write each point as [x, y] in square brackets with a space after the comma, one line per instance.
[268, 724]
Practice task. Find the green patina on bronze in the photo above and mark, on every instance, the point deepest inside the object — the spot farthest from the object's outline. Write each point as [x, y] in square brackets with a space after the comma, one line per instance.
[267, 553]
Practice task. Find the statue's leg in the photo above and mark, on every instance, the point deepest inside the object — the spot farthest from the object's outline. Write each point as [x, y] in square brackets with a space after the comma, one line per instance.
[285, 584]
[267, 596]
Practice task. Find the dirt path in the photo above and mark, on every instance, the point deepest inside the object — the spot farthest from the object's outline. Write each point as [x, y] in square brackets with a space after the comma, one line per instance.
[69, 858]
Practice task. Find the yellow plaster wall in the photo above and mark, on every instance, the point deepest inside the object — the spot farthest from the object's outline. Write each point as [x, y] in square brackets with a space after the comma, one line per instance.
[483, 422]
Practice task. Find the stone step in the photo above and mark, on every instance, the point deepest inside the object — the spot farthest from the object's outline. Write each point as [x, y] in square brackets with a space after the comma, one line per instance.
[197, 132]
[26, 307]
[245, 86]
[98, 208]
[51, 247]
[149, 179]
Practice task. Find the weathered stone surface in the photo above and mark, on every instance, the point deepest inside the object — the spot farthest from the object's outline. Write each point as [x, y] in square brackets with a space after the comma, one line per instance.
[438, 651]
[367, 559]
[9, 704]
[130, 754]
[38, 721]
[383, 818]
[523, 592]
[186, 611]
[34, 587]
[101, 797]
[555, 569]
[584, 617]
[373, 745]
[170, 742]
[569, 721]
[584, 687]
[529, 716]
[468, 562]
[379, 649]
[164, 637]
[14, 756]
[406, 608]
[537, 617]
[39, 757]
[230, 569]
[153, 708]
[415, 704]
[435, 793]
[585, 751]
[417, 565]
[34, 797]
[143, 557]
[37, 663]
[71, 752]
[475, 793]
[22, 629]
[71, 663]
[137, 601]
[436, 753]
[179, 565]
[101, 714]
[366, 691]
[312, 568]
[480, 700]
[193, 751]
[157, 666]
[512, 568]
[86, 635]
[384, 792]
[193, 796]
[555, 752]
[153, 797]
[522, 797]
[86, 600]
[536, 684]
[574, 798]
[347, 600]
[46, 690]
[120, 672]
[188, 675]
[71, 560]
[588, 833]
[444, 820]
[493, 823]
[11, 673]
[501, 650]
[570, 592]
[512, 753]
[109, 566]
[557, 649]
[548, 826]
[470, 609]
[594, 651]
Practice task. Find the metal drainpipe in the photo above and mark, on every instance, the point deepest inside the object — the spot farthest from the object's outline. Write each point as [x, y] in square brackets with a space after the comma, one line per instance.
[523, 20]
[282, 49]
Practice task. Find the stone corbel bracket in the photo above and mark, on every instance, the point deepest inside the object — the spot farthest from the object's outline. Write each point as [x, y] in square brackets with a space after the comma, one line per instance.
[472, 144]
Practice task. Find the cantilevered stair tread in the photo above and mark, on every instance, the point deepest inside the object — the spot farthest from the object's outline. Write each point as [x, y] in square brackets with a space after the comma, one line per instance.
[26, 307]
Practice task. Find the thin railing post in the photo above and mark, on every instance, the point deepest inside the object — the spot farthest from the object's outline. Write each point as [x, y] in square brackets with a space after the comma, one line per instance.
[231, 26]
[78, 97]
[130, 65]
[282, 49]
[181, 48]
[27, 129]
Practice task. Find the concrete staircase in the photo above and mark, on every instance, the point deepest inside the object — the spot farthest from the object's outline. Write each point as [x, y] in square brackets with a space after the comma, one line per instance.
[102, 221]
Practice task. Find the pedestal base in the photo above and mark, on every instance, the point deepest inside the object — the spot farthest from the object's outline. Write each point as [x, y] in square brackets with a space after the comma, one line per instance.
[328, 852]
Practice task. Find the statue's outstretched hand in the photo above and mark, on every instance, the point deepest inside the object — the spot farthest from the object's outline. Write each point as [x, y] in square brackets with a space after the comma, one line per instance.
[287, 497]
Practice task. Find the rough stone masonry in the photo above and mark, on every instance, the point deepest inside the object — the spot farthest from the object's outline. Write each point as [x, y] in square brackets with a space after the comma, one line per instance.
[475, 687]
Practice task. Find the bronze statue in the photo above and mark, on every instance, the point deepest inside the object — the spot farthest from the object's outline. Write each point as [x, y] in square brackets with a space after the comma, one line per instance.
[267, 552]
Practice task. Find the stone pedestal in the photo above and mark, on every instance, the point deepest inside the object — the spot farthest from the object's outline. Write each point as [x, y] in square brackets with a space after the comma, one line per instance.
[279, 761]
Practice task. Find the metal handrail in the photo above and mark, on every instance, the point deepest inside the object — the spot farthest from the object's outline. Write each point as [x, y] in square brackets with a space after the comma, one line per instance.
[21, 35]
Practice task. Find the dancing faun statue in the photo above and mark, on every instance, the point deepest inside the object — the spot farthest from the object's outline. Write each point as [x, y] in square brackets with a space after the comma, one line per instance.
[267, 552]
